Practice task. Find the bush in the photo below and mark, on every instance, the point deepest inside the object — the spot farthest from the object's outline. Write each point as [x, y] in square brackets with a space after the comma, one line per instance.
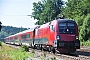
[85, 43]
[0, 43]
[85, 29]
[24, 48]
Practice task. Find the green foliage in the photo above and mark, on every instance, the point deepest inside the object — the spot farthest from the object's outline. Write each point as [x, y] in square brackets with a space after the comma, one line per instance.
[38, 8]
[18, 55]
[85, 43]
[33, 51]
[75, 8]
[0, 26]
[79, 20]
[85, 30]
[9, 30]
[71, 8]
[32, 54]
[46, 10]
[53, 58]
[0, 43]
[8, 53]
[24, 48]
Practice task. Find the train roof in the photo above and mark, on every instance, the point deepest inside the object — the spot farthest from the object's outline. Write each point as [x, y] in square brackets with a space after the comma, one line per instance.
[65, 20]
[29, 30]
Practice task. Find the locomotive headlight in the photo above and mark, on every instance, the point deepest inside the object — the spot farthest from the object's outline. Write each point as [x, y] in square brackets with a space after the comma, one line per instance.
[77, 37]
[57, 37]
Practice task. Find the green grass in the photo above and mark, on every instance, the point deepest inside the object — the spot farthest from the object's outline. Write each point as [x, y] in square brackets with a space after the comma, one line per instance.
[18, 55]
[85, 43]
[8, 53]
[0, 43]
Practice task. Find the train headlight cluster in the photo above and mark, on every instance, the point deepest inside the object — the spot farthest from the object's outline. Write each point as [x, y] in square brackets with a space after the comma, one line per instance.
[58, 37]
[77, 37]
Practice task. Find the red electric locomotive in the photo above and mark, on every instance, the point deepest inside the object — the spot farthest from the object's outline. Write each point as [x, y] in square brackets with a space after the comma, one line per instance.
[58, 35]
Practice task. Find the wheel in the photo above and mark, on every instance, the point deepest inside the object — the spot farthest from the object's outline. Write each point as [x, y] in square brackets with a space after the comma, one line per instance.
[49, 49]
[41, 48]
[53, 50]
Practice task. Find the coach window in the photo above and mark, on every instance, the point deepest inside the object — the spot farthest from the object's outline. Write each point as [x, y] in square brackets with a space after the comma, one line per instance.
[10, 38]
[28, 36]
[24, 36]
[16, 37]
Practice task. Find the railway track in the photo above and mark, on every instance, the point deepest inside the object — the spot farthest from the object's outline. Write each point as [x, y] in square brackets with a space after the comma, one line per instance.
[78, 55]
[72, 56]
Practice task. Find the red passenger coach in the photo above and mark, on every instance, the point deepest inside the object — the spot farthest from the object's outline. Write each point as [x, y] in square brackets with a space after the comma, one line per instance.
[22, 38]
[58, 35]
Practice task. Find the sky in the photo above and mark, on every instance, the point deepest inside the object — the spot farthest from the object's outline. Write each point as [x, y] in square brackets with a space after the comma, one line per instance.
[14, 13]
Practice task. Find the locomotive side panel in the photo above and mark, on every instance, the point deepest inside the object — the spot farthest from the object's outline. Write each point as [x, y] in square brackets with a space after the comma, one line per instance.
[42, 34]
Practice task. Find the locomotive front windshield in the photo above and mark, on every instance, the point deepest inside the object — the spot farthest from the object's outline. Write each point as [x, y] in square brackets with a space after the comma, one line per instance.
[67, 28]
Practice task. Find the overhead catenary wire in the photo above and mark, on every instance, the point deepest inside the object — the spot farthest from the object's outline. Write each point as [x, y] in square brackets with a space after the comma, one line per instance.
[13, 15]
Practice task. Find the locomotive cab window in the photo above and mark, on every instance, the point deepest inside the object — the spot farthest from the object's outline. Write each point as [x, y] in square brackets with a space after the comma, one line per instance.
[62, 25]
[67, 27]
[71, 26]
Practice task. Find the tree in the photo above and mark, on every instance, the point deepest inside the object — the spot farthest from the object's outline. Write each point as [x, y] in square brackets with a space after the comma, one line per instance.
[0, 26]
[75, 8]
[38, 9]
[46, 10]
[85, 30]
[72, 8]
[9, 30]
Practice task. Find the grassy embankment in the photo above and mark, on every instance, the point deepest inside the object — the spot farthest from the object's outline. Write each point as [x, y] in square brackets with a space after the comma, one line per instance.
[9, 53]
[85, 43]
